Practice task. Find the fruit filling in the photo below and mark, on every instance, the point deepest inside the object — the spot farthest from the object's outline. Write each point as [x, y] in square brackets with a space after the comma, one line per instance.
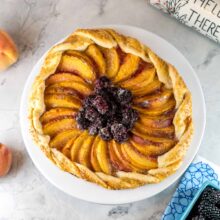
[108, 112]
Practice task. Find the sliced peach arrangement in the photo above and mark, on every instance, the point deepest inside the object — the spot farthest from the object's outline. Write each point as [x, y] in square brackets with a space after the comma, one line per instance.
[152, 135]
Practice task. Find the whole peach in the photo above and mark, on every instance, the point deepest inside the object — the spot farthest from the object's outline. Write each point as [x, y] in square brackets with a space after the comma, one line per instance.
[5, 160]
[8, 51]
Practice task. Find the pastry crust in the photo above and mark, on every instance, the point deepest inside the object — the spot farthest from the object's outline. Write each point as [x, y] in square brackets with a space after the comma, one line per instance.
[168, 163]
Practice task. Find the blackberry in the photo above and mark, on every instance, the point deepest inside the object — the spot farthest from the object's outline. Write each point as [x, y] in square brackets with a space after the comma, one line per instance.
[100, 104]
[209, 210]
[83, 123]
[105, 134]
[211, 194]
[88, 100]
[93, 129]
[119, 132]
[91, 114]
[129, 117]
[208, 190]
[108, 112]
[96, 126]
[102, 82]
[123, 96]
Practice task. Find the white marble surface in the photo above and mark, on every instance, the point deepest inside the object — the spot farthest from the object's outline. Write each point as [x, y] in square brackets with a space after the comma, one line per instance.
[36, 25]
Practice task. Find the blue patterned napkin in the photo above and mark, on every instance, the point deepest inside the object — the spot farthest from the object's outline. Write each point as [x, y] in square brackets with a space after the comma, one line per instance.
[198, 172]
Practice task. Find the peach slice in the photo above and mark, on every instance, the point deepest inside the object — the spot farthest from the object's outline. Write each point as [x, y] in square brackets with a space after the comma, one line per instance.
[93, 156]
[54, 127]
[84, 152]
[155, 140]
[57, 113]
[79, 65]
[138, 159]
[116, 162]
[80, 54]
[167, 132]
[102, 156]
[95, 54]
[152, 141]
[60, 140]
[170, 105]
[77, 145]
[113, 158]
[149, 149]
[67, 147]
[62, 77]
[64, 101]
[56, 90]
[147, 89]
[123, 160]
[146, 84]
[128, 67]
[112, 62]
[146, 76]
[161, 121]
[77, 86]
[155, 100]
[8, 51]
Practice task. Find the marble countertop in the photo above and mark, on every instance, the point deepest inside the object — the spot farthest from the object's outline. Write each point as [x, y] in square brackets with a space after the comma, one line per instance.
[36, 25]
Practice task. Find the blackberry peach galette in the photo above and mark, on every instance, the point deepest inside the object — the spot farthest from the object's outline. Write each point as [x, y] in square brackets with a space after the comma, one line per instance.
[107, 109]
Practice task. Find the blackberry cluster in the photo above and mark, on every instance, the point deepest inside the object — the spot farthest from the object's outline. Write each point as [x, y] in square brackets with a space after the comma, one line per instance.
[207, 207]
[108, 112]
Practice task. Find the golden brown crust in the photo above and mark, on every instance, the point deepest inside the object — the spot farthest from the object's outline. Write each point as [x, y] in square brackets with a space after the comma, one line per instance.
[117, 183]
[168, 163]
[130, 45]
[64, 163]
[163, 172]
[142, 178]
[99, 36]
[179, 150]
[162, 68]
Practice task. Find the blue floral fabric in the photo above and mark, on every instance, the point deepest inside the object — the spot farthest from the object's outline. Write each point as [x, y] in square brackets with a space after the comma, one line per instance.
[192, 180]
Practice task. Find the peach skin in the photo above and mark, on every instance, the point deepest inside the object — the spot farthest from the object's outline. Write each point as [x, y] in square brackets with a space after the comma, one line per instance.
[8, 51]
[5, 160]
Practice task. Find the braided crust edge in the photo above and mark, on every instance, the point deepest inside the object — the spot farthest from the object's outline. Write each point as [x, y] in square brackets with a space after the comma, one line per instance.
[168, 163]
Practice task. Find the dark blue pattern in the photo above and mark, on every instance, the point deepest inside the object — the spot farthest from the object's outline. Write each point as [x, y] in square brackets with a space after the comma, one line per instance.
[192, 180]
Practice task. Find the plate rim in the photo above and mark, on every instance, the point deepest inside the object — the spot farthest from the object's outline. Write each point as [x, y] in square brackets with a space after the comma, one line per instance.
[177, 174]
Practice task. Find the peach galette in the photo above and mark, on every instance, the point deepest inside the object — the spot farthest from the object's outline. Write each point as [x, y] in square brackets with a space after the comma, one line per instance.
[107, 109]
